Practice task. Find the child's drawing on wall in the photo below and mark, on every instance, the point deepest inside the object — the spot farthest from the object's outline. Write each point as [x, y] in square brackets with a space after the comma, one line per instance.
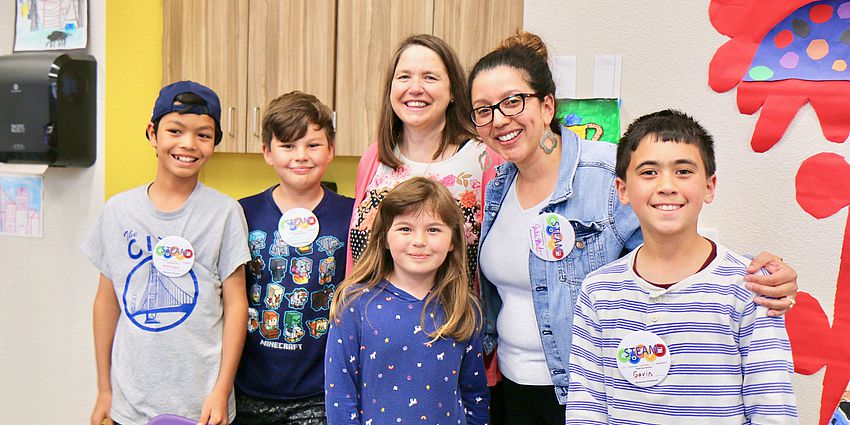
[591, 119]
[20, 205]
[51, 24]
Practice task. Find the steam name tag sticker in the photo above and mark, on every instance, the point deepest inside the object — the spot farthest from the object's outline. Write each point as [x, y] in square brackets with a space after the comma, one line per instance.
[551, 237]
[298, 227]
[643, 359]
[173, 256]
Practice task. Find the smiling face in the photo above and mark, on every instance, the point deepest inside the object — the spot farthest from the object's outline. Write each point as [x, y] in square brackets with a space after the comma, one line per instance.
[515, 138]
[418, 242]
[183, 143]
[666, 185]
[300, 164]
[421, 91]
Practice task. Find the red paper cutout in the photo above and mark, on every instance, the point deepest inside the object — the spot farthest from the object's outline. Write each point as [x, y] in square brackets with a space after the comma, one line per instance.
[808, 329]
[823, 181]
[823, 188]
[823, 185]
[780, 101]
[746, 22]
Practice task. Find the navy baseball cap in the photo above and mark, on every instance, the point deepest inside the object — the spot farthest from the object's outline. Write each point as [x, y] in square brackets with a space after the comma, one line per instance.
[165, 103]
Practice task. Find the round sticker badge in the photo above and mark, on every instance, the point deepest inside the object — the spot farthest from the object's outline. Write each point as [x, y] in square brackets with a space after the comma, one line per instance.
[643, 358]
[173, 256]
[298, 227]
[551, 236]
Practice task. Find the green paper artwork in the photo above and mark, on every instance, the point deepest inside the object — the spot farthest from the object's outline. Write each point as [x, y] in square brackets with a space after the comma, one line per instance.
[591, 119]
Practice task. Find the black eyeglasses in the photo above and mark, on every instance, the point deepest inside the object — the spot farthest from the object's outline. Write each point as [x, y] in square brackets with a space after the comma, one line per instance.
[509, 106]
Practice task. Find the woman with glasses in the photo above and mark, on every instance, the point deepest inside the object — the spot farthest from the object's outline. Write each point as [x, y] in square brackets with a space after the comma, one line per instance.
[424, 130]
[529, 293]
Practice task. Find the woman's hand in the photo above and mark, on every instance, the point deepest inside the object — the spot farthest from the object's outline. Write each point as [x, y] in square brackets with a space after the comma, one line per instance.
[777, 289]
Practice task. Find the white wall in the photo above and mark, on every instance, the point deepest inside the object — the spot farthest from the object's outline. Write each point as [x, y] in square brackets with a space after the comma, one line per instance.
[666, 47]
[47, 286]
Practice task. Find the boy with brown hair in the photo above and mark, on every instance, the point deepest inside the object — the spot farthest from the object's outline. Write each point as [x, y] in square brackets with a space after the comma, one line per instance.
[170, 307]
[297, 235]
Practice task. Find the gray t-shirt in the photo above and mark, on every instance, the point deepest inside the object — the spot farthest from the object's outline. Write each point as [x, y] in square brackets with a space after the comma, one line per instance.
[166, 354]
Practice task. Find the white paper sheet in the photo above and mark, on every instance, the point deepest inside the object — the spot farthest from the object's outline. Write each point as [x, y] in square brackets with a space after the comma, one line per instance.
[564, 73]
[607, 71]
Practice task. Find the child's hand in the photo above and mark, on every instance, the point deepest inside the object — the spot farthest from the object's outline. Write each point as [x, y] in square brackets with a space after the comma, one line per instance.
[780, 285]
[100, 413]
[214, 411]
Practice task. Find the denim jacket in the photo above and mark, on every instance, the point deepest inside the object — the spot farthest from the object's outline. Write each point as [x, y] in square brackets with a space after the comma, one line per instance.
[586, 195]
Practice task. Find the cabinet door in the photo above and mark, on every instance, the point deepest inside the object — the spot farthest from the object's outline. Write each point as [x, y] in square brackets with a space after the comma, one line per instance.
[205, 41]
[368, 31]
[475, 27]
[291, 47]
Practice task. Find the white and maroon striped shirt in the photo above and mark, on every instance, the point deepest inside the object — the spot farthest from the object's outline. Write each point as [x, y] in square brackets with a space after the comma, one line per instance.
[730, 362]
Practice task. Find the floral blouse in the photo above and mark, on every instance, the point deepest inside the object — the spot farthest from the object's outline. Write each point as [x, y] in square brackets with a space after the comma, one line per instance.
[461, 174]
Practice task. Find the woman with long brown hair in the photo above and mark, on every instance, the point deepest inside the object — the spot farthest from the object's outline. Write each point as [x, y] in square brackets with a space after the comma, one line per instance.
[424, 130]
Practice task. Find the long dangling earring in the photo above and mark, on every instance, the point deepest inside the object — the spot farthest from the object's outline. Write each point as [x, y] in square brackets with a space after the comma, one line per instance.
[552, 143]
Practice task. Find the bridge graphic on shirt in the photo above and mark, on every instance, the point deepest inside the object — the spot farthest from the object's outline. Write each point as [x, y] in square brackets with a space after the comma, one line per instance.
[161, 295]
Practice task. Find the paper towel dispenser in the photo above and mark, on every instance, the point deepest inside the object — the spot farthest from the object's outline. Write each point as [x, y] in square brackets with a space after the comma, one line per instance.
[48, 108]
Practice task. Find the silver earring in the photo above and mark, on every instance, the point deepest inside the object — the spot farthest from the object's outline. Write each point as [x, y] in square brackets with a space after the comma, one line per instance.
[548, 142]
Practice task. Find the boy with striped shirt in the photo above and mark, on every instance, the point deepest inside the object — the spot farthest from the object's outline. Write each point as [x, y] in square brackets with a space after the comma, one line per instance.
[668, 334]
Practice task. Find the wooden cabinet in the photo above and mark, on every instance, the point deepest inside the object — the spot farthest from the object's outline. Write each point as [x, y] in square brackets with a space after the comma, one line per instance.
[475, 27]
[205, 41]
[251, 51]
[290, 47]
[368, 31]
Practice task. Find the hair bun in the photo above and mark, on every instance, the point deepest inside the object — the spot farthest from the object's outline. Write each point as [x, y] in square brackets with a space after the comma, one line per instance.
[527, 40]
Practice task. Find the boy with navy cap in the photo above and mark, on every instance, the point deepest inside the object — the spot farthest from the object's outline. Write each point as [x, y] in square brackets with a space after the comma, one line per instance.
[170, 309]
[206, 103]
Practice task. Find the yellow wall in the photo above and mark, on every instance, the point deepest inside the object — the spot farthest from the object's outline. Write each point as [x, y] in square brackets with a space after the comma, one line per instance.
[243, 174]
[133, 72]
[133, 79]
